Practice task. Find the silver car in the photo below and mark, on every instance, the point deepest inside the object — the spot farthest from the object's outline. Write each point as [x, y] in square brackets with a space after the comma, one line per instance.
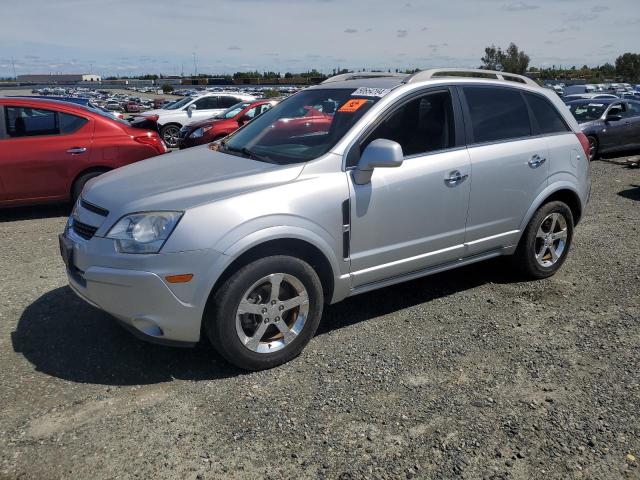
[361, 182]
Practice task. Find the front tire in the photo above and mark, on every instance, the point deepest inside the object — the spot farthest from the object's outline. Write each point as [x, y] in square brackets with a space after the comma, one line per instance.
[545, 244]
[593, 147]
[265, 313]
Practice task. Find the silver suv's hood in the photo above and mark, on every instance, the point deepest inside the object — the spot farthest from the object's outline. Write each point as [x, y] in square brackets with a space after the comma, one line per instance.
[181, 180]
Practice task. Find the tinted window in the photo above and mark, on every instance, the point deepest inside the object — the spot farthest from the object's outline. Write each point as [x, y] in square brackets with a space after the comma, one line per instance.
[497, 114]
[226, 102]
[634, 108]
[587, 112]
[70, 123]
[207, 103]
[619, 109]
[420, 126]
[547, 117]
[26, 121]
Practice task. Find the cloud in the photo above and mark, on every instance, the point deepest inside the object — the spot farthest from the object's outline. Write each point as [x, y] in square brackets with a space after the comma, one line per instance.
[519, 7]
[234, 47]
[402, 33]
[600, 9]
[350, 30]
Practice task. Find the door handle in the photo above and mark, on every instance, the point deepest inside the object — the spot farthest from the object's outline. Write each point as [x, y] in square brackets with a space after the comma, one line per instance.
[455, 178]
[76, 150]
[536, 161]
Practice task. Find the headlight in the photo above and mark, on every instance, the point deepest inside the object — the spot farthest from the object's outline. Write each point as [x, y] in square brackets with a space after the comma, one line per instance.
[200, 131]
[143, 232]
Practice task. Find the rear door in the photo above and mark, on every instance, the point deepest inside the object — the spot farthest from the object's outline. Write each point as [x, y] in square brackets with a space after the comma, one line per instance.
[616, 134]
[509, 165]
[634, 123]
[41, 150]
[206, 107]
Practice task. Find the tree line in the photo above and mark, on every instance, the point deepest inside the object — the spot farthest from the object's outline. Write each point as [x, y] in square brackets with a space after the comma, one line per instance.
[514, 60]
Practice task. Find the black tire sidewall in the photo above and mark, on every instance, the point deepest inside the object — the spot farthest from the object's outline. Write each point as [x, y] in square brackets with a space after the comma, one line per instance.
[80, 182]
[525, 255]
[220, 320]
[595, 142]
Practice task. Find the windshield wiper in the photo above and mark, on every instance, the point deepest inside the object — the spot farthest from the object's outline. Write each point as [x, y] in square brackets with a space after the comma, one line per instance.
[247, 153]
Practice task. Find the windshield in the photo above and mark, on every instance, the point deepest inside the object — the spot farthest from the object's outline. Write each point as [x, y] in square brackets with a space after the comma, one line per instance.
[301, 128]
[103, 113]
[178, 104]
[233, 110]
[587, 112]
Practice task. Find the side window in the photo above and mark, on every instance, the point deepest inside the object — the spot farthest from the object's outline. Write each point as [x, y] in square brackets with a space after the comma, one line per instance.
[422, 125]
[70, 123]
[497, 114]
[634, 109]
[619, 109]
[226, 102]
[253, 112]
[28, 122]
[546, 115]
[207, 103]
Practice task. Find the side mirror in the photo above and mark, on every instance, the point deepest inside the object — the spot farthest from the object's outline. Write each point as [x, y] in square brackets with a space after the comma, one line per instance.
[612, 117]
[380, 153]
[243, 119]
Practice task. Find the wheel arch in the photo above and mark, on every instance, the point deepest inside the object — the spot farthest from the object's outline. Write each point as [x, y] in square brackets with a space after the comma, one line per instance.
[292, 246]
[564, 192]
[94, 168]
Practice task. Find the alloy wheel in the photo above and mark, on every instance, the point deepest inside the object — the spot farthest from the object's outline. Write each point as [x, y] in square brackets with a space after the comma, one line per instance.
[272, 313]
[171, 135]
[551, 240]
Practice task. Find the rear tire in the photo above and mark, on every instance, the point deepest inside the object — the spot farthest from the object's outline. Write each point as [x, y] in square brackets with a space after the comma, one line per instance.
[253, 325]
[593, 147]
[81, 181]
[545, 243]
[170, 135]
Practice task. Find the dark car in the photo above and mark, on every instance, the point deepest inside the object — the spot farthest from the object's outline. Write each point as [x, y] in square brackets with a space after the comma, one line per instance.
[211, 129]
[611, 125]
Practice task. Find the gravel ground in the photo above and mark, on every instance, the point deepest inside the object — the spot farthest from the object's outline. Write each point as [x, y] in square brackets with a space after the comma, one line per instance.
[468, 374]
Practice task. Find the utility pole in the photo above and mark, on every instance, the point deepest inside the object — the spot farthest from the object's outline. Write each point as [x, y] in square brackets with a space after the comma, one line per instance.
[13, 64]
[195, 65]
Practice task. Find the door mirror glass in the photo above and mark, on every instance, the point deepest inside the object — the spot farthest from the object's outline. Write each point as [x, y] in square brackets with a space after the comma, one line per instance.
[380, 153]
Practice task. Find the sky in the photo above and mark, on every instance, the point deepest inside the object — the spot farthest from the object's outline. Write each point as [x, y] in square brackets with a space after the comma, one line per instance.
[125, 37]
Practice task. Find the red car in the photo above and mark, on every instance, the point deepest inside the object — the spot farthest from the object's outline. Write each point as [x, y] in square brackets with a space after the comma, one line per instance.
[206, 131]
[50, 149]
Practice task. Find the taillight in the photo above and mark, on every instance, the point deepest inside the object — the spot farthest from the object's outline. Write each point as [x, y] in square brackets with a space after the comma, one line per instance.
[153, 140]
[584, 141]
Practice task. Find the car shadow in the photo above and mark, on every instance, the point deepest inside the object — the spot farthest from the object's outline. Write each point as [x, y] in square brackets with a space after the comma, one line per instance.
[632, 193]
[64, 337]
[14, 214]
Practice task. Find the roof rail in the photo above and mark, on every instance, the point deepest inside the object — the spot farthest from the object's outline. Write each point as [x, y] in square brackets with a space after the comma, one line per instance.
[360, 75]
[469, 72]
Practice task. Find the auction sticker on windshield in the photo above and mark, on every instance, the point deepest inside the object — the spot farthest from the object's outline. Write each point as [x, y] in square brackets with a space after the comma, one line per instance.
[370, 92]
[351, 106]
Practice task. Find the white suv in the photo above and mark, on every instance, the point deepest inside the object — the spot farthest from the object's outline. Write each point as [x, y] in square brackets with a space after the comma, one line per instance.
[191, 109]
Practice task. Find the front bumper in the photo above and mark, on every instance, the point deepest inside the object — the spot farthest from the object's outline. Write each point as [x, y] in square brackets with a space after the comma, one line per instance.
[133, 288]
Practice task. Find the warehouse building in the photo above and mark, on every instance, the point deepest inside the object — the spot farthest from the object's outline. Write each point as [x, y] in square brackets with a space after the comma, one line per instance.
[59, 78]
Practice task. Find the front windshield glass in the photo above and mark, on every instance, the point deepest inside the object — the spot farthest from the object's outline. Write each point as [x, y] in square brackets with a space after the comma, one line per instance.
[587, 112]
[233, 111]
[301, 128]
[178, 104]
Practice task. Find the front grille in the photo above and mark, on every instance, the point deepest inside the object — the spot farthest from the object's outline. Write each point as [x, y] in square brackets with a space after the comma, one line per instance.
[83, 230]
[94, 208]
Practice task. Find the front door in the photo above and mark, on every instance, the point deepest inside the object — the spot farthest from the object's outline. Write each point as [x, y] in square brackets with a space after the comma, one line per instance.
[412, 217]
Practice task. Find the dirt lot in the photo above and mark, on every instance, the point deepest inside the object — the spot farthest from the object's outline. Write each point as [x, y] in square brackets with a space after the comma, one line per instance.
[468, 374]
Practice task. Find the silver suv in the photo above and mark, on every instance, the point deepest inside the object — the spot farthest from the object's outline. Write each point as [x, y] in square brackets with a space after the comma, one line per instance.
[358, 183]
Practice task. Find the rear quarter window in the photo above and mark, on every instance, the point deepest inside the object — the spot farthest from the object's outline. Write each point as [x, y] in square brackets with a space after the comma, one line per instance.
[70, 123]
[497, 114]
[547, 117]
